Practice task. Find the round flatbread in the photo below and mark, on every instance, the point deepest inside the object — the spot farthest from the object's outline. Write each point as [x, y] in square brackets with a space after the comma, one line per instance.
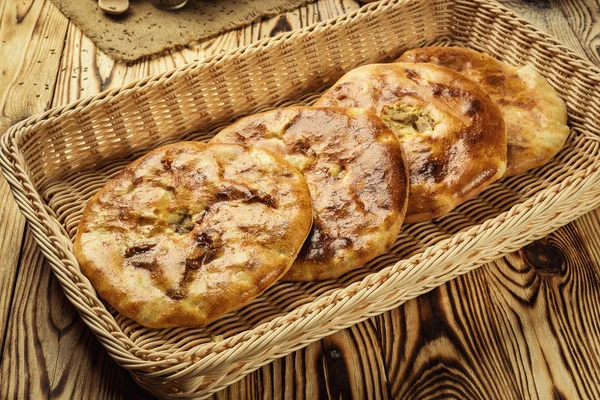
[191, 231]
[452, 133]
[535, 117]
[356, 173]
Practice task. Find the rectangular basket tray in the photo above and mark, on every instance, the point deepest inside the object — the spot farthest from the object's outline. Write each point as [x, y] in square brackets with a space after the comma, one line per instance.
[56, 161]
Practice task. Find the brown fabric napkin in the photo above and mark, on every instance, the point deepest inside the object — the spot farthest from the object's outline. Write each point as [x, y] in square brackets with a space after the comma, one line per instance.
[145, 30]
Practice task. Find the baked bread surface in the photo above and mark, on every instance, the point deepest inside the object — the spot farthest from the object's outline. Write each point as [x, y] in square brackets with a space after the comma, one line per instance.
[357, 175]
[191, 231]
[452, 133]
[534, 114]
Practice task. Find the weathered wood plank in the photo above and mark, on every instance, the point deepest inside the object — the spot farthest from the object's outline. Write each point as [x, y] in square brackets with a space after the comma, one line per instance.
[11, 235]
[590, 233]
[345, 365]
[549, 16]
[523, 327]
[584, 20]
[31, 33]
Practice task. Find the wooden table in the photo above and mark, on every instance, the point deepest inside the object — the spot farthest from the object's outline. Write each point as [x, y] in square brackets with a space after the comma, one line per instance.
[526, 326]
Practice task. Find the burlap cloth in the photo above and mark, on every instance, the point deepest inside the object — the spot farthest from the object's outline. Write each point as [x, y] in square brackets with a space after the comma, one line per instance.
[145, 30]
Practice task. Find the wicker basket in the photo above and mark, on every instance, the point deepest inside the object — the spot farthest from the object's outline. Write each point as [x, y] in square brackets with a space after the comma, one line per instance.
[56, 161]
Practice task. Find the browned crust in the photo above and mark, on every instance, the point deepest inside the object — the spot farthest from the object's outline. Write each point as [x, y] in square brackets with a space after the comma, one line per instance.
[464, 151]
[534, 114]
[357, 175]
[191, 231]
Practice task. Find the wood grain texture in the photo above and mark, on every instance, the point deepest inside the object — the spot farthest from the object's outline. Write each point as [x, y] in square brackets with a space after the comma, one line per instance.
[584, 20]
[28, 66]
[335, 367]
[27, 78]
[523, 327]
[550, 16]
[11, 235]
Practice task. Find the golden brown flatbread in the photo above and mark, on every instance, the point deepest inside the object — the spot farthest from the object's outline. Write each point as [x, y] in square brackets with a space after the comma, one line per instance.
[191, 231]
[535, 117]
[356, 173]
[452, 133]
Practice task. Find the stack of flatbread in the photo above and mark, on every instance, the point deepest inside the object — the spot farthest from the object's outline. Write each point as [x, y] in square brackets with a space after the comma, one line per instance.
[193, 230]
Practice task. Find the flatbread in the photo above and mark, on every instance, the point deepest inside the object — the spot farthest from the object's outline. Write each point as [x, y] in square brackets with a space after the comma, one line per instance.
[191, 231]
[453, 134]
[357, 176]
[534, 114]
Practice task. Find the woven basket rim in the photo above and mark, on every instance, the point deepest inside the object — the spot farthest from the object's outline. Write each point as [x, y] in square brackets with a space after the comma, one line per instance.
[31, 123]
[194, 66]
[32, 205]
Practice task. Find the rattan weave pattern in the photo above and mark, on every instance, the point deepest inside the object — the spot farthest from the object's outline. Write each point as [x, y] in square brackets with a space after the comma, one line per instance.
[54, 162]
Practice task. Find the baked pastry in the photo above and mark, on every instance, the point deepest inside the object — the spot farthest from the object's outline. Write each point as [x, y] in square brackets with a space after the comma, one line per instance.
[535, 117]
[452, 133]
[191, 231]
[355, 169]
